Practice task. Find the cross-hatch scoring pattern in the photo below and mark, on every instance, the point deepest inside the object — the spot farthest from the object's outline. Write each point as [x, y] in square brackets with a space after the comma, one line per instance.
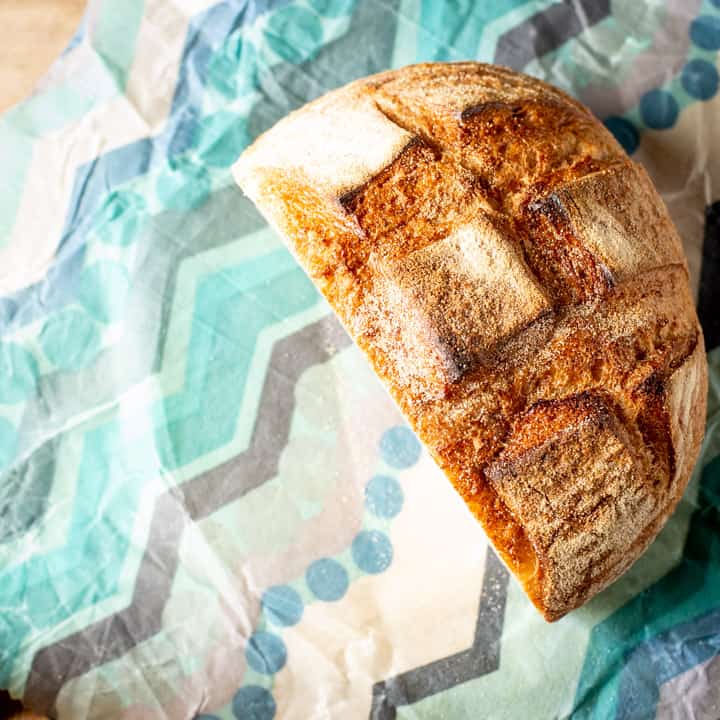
[508, 256]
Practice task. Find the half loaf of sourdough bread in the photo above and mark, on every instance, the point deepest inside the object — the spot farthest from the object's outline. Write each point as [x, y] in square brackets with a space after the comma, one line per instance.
[517, 283]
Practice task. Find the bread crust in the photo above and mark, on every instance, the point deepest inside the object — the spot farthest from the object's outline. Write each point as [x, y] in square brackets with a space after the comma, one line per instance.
[517, 283]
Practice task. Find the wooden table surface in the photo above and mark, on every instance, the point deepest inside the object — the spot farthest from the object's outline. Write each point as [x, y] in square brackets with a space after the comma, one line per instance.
[34, 33]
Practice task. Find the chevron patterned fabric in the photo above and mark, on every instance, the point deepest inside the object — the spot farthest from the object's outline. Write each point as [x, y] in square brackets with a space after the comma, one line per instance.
[209, 507]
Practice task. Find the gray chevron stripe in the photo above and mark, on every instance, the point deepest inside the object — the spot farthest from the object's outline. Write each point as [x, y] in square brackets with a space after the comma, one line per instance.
[547, 30]
[480, 659]
[111, 637]
[25, 490]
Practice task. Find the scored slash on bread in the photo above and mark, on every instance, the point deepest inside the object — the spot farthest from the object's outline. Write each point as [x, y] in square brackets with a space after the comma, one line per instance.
[517, 283]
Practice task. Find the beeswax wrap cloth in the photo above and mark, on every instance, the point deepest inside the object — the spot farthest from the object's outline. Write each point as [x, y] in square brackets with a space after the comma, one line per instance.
[209, 507]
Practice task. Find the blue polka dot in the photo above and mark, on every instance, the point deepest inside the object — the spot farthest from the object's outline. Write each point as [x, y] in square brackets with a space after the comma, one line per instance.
[253, 702]
[103, 290]
[221, 73]
[716, 3]
[700, 79]
[399, 447]
[8, 442]
[18, 373]
[282, 605]
[70, 339]
[372, 551]
[384, 496]
[625, 133]
[266, 653]
[184, 185]
[232, 70]
[659, 109]
[220, 138]
[294, 33]
[327, 579]
[705, 32]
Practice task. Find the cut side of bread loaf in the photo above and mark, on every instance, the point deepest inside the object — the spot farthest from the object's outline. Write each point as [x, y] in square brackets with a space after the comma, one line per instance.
[517, 283]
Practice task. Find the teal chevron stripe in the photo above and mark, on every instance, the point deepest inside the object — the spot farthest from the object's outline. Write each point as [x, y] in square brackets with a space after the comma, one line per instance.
[68, 656]
[193, 269]
[48, 111]
[48, 588]
[242, 302]
[140, 449]
[115, 37]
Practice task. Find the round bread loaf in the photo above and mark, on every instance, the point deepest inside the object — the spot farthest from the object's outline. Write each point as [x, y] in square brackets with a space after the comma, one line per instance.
[517, 283]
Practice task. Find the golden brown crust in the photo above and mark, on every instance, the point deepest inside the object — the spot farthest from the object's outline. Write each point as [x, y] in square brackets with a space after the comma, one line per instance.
[517, 283]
